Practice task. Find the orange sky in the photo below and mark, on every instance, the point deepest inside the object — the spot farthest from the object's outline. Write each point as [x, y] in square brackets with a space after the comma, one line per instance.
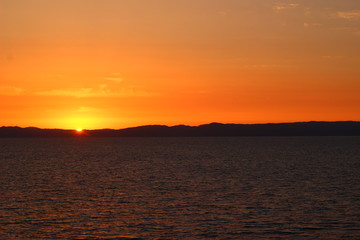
[114, 64]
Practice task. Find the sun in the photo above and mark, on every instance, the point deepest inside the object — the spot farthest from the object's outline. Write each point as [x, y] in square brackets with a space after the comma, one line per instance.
[79, 130]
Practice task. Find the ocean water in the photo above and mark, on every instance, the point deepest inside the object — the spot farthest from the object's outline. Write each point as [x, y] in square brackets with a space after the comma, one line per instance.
[180, 188]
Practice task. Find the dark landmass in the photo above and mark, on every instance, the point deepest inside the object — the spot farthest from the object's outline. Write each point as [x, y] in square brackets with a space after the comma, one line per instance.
[349, 128]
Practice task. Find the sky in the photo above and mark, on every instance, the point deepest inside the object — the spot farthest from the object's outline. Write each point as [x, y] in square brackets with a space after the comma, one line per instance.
[121, 63]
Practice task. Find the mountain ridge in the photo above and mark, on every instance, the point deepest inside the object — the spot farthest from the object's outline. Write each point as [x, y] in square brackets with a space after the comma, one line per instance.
[214, 129]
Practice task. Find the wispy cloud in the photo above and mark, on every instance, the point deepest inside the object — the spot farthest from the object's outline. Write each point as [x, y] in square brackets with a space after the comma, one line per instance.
[102, 91]
[349, 15]
[307, 25]
[284, 6]
[73, 92]
[11, 91]
[115, 77]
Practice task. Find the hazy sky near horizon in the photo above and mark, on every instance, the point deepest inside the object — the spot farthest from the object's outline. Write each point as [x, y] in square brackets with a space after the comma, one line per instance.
[119, 63]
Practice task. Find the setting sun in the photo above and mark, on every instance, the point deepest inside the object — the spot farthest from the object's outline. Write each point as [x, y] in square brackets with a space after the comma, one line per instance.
[79, 130]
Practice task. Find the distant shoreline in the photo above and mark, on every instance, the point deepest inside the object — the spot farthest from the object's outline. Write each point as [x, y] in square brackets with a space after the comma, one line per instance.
[313, 128]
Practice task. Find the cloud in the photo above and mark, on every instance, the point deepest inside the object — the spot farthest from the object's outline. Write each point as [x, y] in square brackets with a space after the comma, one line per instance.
[284, 6]
[114, 79]
[312, 25]
[102, 91]
[73, 92]
[349, 15]
[10, 91]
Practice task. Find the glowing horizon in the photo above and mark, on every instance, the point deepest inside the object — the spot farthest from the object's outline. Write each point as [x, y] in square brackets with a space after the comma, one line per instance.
[93, 64]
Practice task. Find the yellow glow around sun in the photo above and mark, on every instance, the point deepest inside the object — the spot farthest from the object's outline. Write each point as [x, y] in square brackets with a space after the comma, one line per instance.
[79, 130]
[79, 123]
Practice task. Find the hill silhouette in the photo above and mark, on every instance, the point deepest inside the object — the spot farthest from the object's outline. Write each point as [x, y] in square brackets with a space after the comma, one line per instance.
[349, 128]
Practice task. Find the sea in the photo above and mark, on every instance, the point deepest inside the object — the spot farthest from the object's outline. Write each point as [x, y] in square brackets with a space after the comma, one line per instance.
[180, 188]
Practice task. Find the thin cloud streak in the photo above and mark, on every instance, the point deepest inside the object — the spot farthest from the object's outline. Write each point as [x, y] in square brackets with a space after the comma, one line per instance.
[349, 15]
[284, 6]
[114, 79]
[307, 25]
[11, 91]
[102, 92]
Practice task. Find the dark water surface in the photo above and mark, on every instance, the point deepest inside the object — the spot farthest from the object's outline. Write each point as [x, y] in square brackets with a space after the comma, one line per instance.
[180, 188]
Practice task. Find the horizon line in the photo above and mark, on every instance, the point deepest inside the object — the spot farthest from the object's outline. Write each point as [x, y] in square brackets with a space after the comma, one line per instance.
[265, 123]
